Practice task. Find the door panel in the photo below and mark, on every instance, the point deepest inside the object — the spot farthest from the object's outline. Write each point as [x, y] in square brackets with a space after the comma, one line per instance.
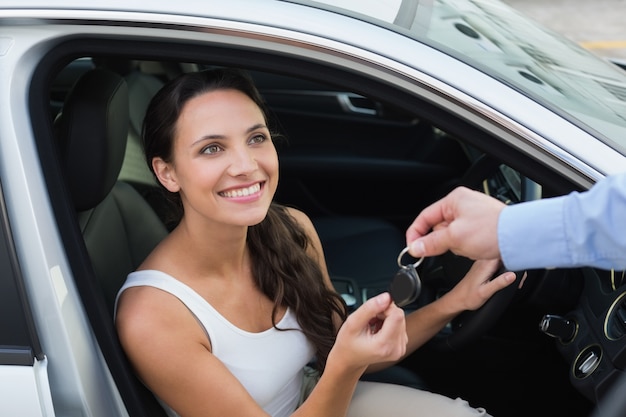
[342, 153]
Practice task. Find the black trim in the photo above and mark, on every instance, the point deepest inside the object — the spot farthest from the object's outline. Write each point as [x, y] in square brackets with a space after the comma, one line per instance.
[16, 355]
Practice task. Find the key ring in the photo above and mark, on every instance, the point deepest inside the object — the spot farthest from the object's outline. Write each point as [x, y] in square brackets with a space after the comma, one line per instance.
[404, 252]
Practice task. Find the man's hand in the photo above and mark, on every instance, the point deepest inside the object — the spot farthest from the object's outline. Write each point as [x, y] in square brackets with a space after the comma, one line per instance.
[464, 221]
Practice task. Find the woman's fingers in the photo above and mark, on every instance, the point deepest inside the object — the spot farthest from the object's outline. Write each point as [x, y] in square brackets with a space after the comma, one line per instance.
[375, 332]
[479, 284]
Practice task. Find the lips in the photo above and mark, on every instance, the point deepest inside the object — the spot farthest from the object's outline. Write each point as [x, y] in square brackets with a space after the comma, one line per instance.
[241, 192]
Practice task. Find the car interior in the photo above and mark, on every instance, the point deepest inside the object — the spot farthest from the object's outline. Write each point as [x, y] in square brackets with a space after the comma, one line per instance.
[359, 157]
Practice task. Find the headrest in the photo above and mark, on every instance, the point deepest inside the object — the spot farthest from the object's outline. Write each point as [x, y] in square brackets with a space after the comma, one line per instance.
[119, 65]
[91, 131]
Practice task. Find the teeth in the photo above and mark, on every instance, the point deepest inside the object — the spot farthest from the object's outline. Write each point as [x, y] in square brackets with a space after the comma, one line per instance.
[242, 192]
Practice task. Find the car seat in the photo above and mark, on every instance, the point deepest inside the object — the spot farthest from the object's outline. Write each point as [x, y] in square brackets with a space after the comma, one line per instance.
[118, 226]
[120, 229]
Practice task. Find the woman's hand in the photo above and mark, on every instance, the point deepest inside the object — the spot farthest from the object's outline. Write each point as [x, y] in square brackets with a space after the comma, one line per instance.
[470, 293]
[375, 332]
[477, 287]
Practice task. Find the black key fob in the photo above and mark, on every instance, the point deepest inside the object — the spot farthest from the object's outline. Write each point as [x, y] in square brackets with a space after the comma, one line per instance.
[406, 285]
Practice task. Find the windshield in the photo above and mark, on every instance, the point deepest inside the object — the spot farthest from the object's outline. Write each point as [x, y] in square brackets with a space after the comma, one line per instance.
[503, 43]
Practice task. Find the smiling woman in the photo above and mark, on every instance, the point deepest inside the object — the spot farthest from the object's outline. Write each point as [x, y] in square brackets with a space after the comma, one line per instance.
[222, 150]
[206, 136]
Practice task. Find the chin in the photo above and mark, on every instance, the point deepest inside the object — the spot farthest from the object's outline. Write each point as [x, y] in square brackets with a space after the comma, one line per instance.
[252, 219]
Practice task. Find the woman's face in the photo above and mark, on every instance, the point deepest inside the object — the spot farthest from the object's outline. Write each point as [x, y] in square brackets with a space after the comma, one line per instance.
[224, 166]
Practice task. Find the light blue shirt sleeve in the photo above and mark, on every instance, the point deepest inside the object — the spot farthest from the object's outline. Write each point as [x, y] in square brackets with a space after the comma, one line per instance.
[579, 229]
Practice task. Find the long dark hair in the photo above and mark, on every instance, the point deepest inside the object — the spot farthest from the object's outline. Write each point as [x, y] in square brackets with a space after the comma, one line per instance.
[280, 264]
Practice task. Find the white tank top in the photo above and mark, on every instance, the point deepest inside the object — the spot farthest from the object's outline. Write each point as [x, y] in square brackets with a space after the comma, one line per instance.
[269, 364]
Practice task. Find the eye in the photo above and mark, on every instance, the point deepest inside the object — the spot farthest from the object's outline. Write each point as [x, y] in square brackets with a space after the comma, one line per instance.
[257, 139]
[211, 149]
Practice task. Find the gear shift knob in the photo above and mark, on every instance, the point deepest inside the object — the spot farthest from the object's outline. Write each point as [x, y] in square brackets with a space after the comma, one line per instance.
[558, 327]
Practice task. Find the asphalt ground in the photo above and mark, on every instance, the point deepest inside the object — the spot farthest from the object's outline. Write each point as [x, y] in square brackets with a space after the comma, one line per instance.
[598, 25]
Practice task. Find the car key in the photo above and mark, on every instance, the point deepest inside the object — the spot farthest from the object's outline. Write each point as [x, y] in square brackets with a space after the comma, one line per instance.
[406, 285]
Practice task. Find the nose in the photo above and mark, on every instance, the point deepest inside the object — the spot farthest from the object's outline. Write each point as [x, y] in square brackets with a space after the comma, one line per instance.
[243, 161]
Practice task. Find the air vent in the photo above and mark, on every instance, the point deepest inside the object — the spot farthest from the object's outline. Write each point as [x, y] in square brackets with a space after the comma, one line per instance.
[587, 362]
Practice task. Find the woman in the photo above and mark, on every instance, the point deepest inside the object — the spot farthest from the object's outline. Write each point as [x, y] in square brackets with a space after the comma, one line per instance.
[226, 313]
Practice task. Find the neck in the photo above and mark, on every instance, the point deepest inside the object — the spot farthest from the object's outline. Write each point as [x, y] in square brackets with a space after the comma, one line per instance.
[218, 250]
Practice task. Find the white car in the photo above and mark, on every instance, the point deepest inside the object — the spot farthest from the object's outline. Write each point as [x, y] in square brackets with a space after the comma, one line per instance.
[385, 107]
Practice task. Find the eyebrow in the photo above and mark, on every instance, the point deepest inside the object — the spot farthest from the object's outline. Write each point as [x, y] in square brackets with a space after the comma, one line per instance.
[216, 136]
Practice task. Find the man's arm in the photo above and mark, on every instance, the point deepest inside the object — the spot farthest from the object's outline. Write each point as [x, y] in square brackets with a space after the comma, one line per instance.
[580, 229]
[587, 228]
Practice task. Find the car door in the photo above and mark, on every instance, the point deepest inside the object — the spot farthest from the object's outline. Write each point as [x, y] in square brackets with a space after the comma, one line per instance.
[339, 148]
[24, 384]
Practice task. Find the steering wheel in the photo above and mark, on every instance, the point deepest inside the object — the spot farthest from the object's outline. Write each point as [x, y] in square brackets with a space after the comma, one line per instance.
[440, 274]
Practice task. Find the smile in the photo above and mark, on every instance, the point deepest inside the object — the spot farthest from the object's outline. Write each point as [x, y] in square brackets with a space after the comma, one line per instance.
[242, 192]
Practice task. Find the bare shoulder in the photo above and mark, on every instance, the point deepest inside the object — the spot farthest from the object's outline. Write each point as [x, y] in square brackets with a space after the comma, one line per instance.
[143, 302]
[301, 218]
[149, 313]
[315, 250]
[307, 225]
[172, 355]
[147, 316]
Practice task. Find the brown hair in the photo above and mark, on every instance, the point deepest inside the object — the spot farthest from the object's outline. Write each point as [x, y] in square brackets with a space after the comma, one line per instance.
[281, 266]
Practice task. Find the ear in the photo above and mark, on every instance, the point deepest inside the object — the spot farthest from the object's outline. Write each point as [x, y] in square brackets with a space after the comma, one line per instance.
[165, 173]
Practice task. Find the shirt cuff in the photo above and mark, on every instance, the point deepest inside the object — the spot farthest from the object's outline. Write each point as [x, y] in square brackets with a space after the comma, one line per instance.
[532, 234]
